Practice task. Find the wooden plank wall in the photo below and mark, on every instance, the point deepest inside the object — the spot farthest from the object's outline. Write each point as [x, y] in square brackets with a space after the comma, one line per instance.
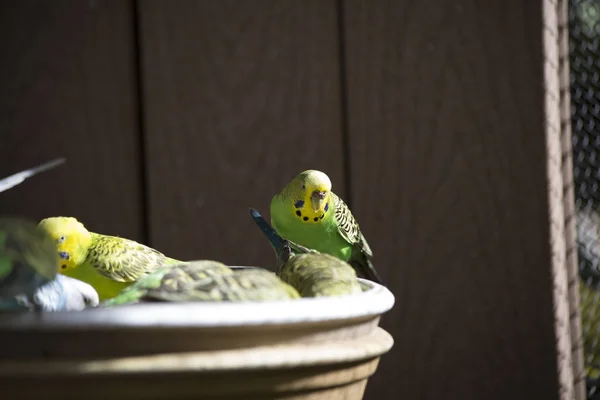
[67, 79]
[453, 91]
[427, 116]
[238, 98]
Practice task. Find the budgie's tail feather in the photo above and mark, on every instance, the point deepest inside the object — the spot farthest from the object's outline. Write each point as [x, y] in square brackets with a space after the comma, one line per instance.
[366, 268]
[593, 388]
[283, 248]
[19, 177]
[276, 241]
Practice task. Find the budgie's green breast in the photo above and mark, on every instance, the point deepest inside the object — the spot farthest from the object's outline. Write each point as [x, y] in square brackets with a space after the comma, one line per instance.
[302, 226]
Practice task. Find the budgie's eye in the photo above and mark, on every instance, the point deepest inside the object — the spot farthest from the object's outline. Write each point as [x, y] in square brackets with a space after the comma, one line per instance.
[303, 187]
[61, 239]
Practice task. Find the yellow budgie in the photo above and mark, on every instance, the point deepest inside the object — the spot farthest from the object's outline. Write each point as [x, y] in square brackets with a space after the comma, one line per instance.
[108, 263]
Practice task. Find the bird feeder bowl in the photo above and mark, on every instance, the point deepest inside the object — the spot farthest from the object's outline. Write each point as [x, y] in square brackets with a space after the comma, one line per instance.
[317, 348]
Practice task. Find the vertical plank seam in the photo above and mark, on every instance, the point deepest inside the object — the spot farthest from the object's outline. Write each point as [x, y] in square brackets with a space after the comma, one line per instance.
[555, 199]
[572, 261]
[345, 123]
[141, 124]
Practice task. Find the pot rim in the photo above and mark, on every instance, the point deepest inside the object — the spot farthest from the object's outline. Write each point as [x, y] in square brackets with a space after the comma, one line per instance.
[372, 302]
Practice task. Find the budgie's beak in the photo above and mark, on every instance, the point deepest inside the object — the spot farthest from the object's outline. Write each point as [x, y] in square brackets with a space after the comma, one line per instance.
[317, 200]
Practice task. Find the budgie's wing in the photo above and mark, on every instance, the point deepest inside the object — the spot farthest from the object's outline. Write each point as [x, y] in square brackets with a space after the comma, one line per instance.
[19, 177]
[244, 285]
[316, 275]
[124, 260]
[348, 227]
[171, 280]
[134, 292]
[350, 231]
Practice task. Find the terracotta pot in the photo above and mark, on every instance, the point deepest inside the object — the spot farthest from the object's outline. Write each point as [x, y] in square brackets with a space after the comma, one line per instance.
[311, 348]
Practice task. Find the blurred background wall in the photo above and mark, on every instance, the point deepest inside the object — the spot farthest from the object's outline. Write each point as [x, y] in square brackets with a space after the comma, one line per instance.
[176, 116]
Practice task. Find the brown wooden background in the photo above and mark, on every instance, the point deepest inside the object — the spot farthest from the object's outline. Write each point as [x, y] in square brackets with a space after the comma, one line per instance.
[176, 116]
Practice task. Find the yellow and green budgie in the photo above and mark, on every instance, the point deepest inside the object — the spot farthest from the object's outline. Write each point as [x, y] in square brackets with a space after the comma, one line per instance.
[205, 280]
[309, 214]
[588, 241]
[108, 263]
[589, 292]
[311, 273]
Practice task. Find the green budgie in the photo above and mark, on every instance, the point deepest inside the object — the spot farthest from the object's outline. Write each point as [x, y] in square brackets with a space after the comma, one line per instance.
[589, 293]
[588, 240]
[19, 177]
[309, 214]
[27, 260]
[205, 280]
[313, 274]
[243, 285]
[185, 273]
[108, 263]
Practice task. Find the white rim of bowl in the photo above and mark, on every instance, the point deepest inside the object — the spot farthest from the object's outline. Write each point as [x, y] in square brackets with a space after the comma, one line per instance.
[370, 303]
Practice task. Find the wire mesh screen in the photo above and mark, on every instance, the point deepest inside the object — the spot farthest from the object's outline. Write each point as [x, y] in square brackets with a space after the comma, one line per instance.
[584, 57]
